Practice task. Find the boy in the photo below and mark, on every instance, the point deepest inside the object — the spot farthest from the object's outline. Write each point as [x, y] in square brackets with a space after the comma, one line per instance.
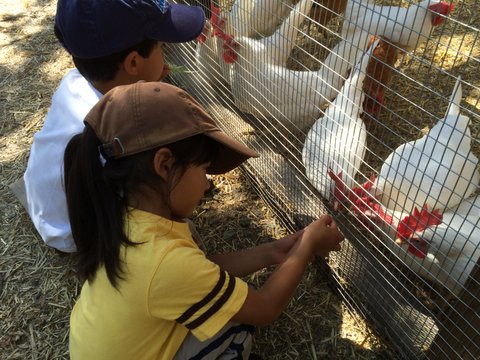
[112, 43]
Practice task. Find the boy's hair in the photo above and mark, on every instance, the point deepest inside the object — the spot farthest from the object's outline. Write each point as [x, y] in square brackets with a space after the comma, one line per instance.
[97, 195]
[106, 68]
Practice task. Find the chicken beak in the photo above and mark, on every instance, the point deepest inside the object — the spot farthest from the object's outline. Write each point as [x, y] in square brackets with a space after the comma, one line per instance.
[418, 246]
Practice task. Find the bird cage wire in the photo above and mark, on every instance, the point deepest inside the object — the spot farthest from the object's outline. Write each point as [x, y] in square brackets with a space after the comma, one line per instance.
[381, 132]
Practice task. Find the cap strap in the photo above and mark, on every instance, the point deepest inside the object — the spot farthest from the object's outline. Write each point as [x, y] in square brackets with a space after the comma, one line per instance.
[112, 149]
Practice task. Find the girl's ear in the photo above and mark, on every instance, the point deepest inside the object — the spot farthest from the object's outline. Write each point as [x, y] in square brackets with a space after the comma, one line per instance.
[132, 63]
[162, 163]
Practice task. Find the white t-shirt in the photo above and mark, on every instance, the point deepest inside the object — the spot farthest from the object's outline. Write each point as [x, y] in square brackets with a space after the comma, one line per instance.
[46, 201]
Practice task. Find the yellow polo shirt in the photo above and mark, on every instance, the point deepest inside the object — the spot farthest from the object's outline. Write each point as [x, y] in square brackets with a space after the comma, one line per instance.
[170, 288]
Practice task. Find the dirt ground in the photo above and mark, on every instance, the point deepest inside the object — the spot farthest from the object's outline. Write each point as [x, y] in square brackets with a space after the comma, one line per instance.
[37, 289]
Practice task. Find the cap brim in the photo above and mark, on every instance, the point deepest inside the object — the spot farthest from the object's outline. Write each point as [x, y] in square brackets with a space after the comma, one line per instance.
[181, 23]
[231, 155]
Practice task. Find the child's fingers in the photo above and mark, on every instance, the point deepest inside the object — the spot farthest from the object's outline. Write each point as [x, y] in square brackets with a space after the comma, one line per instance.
[338, 233]
[325, 220]
[333, 225]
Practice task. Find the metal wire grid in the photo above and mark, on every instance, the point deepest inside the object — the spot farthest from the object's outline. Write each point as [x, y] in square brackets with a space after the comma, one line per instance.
[425, 308]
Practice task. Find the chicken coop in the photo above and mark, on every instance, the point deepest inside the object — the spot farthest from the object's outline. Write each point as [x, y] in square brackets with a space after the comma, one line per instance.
[369, 111]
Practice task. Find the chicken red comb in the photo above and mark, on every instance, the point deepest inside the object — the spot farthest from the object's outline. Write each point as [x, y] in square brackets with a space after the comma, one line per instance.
[229, 53]
[218, 22]
[418, 221]
[337, 179]
[443, 8]
[366, 207]
[340, 189]
[362, 190]
[215, 13]
[228, 40]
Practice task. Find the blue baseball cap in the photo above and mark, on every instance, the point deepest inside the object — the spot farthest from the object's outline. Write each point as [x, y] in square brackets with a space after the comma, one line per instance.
[97, 28]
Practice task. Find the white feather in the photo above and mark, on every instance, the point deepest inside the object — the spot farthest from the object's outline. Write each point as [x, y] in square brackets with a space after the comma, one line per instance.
[337, 140]
[438, 170]
[453, 246]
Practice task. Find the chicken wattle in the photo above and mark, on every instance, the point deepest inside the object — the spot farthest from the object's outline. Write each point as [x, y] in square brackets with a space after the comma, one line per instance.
[446, 253]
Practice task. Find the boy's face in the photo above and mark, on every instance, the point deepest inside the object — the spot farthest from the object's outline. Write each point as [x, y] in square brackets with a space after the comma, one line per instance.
[154, 67]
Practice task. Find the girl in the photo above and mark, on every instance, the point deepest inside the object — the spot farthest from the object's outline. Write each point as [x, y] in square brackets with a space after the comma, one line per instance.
[149, 291]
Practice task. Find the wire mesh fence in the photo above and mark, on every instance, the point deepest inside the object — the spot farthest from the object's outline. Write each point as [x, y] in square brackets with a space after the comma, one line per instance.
[368, 111]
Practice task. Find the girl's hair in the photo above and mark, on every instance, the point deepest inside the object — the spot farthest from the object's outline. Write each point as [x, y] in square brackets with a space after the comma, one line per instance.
[106, 68]
[97, 195]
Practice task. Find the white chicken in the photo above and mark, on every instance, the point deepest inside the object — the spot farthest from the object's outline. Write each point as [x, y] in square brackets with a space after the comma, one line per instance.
[256, 17]
[443, 247]
[405, 27]
[245, 18]
[276, 48]
[446, 253]
[408, 27]
[336, 142]
[437, 170]
[263, 86]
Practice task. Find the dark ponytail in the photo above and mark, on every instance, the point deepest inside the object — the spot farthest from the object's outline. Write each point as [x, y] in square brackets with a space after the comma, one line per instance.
[95, 209]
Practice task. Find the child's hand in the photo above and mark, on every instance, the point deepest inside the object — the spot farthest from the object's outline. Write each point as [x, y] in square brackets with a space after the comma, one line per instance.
[282, 247]
[324, 235]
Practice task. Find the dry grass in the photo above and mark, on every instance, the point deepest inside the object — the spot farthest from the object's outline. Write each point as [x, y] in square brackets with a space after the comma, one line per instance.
[37, 289]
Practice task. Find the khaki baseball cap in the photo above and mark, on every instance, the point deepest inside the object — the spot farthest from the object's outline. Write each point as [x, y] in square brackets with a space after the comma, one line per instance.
[133, 118]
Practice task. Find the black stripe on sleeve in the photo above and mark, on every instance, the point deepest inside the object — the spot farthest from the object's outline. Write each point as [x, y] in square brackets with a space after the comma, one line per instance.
[215, 307]
[195, 307]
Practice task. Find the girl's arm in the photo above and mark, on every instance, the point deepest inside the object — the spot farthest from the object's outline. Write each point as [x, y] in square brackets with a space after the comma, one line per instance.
[263, 306]
[246, 262]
